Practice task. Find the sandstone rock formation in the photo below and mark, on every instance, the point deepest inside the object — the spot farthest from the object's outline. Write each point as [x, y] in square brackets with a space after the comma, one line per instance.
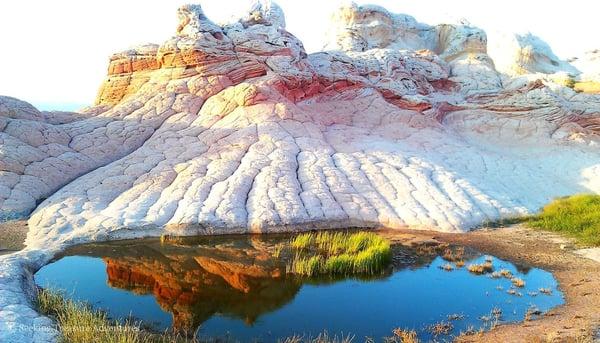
[519, 54]
[235, 128]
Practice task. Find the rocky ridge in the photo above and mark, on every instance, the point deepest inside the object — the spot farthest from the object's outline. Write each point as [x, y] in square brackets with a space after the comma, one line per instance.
[234, 128]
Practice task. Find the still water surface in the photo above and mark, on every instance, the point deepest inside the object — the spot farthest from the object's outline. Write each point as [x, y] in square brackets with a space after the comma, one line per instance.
[235, 287]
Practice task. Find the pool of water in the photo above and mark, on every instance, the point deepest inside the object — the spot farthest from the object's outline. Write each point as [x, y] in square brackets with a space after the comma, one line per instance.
[236, 287]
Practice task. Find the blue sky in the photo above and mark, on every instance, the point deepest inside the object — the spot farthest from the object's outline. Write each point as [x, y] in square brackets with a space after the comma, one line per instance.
[55, 53]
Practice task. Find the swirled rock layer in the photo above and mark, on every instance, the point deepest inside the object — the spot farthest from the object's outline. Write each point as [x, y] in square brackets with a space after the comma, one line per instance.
[235, 128]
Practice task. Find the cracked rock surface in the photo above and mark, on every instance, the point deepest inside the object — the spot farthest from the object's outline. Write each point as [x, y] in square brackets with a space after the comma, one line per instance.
[234, 128]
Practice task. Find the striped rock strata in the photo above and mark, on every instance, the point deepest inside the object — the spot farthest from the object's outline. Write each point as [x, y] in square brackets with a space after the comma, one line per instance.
[235, 128]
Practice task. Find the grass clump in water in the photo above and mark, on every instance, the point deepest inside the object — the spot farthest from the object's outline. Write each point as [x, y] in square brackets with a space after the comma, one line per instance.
[339, 253]
[441, 328]
[518, 282]
[308, 266]
[481, 268]
[577, 216]
[303, 241]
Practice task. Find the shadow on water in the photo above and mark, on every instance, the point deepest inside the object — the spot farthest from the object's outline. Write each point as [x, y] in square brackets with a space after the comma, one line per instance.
[236, 286]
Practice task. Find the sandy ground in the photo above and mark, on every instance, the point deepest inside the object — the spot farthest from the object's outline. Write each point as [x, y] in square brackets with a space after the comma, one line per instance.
[12, 235]
[579, 278]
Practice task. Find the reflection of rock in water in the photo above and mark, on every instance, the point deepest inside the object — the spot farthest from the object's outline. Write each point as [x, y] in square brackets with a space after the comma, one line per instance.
[195, 278]
[193, 283]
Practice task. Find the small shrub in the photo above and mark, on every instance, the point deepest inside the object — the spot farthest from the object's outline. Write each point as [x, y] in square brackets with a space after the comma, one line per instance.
[570, 82]
[481, 268]
[441, 328]
[506, 273]
[454, 254]
[404, 336]
[518, 282]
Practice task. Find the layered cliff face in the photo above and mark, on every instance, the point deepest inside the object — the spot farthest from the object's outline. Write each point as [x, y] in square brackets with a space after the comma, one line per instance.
[234, 128]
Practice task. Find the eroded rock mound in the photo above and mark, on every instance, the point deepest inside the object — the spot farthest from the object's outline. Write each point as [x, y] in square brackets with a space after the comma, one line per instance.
[519, 54]
[234, 128]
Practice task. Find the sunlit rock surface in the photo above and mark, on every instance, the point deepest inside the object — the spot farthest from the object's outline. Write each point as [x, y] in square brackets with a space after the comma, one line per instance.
[519, 54]
[234, 128]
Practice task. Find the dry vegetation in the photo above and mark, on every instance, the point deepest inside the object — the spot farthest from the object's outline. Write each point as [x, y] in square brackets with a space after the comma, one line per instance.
[480, 268]
[78, 322]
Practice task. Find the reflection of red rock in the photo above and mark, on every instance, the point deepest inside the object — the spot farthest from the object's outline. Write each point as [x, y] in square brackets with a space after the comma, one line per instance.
[195, 283]
[237, 275]
[121, 277]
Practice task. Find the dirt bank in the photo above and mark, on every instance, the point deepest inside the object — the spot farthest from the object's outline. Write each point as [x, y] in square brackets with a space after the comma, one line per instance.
[12, 236]
[579, 278]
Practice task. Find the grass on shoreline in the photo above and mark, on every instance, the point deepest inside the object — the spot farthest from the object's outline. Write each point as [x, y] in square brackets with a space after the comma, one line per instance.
[339, 253]
[576, 216]
[78, 322]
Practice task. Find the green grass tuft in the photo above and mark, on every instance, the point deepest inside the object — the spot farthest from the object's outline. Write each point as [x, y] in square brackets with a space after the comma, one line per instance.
[339, 253]
[302, 241]
[78, 322]
[577, 216]
[307, 266]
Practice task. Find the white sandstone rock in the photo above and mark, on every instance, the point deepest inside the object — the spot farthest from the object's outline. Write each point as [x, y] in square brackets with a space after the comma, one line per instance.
[518, 54]
[235, 129]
